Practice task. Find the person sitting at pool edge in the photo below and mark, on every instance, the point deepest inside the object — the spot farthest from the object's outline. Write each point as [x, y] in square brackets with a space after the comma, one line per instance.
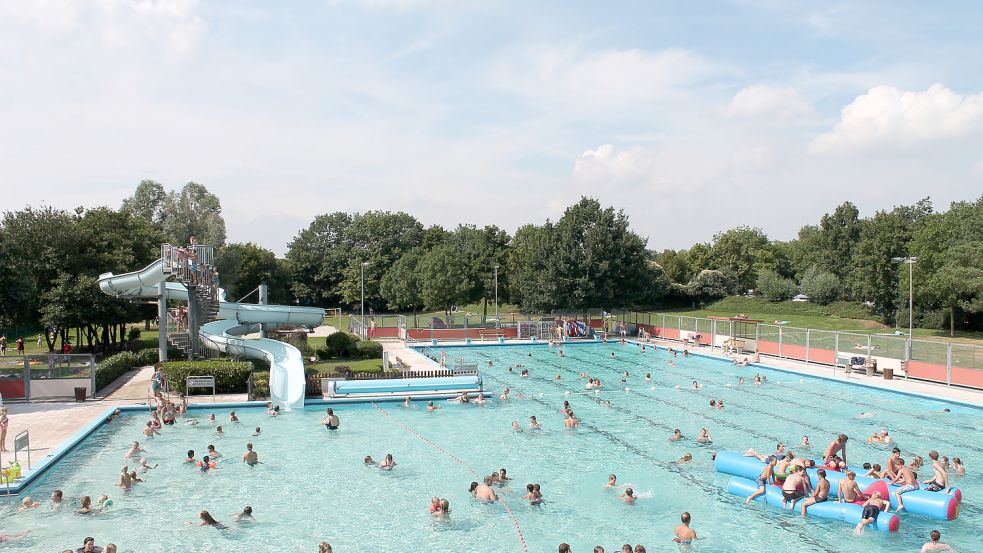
[820, 494]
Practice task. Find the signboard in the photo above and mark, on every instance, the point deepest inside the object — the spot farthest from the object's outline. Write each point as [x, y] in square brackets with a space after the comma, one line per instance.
[201, 382]
[22, 442]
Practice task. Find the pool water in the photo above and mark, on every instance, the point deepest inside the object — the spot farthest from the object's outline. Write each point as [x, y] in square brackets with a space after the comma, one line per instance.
[313, 486]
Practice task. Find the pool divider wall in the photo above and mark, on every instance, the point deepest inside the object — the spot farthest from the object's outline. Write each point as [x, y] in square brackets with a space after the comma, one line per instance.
[936, 505]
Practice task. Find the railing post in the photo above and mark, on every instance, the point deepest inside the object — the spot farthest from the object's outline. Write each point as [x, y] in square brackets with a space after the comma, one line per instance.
[679, 328]
[836, 350]
[713, 333]
[807, 344]
[948, 365]
[779, 341]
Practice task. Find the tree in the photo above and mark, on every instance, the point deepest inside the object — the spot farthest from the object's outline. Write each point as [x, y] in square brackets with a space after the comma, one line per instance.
[317, 258]
[147, 203]
[838, 235]
[529, 284]
[596, 260]
[402, 285]
[711, 284]
[774, 287]
[194, 211]
[481, 250]
[822, 287]
[441, 271]
[740, 252]
[674, 264]
[958, 284]
[243, 267]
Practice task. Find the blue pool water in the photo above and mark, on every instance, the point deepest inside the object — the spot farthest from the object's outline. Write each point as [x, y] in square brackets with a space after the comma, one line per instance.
[313, 486]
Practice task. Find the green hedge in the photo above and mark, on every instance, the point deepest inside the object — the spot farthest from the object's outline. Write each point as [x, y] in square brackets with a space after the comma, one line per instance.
[261, 385]
[111, 368]
[341, 344]
[368, 350]
[230, 376]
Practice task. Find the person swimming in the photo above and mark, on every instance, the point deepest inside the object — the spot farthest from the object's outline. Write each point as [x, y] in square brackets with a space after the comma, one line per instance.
[534, 424]
[628, 496]
[515, 426]
[704, 437]
[330, 420]
[676, 435]
[388, 463]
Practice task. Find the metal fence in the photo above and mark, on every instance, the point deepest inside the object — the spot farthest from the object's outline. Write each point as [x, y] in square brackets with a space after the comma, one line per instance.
[933, 360]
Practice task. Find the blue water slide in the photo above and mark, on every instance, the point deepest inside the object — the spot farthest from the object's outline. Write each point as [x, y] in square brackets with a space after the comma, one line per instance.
[287, 379]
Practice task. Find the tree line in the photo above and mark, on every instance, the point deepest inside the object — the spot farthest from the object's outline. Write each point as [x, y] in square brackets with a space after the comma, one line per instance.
[588, 258]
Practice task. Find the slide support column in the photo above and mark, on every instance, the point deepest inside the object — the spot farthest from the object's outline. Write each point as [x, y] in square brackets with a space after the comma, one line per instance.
[162, 321]
[264, 299]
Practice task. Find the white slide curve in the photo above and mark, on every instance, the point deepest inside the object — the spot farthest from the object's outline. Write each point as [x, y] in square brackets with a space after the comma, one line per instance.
[287, 379]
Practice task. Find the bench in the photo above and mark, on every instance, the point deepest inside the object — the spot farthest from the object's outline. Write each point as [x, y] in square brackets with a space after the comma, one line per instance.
[492, 333]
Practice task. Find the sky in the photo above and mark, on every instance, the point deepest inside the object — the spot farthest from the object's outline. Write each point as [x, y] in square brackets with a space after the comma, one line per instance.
[692, 117]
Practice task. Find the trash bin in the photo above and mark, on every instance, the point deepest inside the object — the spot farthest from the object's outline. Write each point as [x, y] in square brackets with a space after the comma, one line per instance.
[80, 394]
[888, 373]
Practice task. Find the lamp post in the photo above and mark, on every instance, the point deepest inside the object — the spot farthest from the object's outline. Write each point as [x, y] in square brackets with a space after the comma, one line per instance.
[361, 271]
[911, 295]
[497, 323]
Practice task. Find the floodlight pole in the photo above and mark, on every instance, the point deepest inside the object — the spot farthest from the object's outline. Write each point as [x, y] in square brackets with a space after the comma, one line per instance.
[362, 279]
[911, 296]
[497, 324]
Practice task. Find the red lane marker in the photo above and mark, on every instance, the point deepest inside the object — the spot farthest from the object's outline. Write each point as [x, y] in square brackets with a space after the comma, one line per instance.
[515, 521]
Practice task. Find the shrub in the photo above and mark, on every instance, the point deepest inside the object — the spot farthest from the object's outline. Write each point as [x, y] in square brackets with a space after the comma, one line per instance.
[144, 357]
[133, 334]
[340, 344]
[322, 354]
[367, 349]
[261, 385]
[111, 368]
[821, 287]
[230, 376]
[774, 287]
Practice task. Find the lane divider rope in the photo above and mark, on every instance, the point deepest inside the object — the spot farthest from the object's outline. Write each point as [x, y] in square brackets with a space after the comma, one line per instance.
[515, 521]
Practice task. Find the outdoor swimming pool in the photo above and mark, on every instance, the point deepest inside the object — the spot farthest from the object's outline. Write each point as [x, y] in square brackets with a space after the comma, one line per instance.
[312, 485]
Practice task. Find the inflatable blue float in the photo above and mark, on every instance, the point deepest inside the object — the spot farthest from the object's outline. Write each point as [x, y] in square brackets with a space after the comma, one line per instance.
[937, 505]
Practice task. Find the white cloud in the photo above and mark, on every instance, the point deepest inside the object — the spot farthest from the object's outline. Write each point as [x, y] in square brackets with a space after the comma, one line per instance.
[887, 115]
[768, 101]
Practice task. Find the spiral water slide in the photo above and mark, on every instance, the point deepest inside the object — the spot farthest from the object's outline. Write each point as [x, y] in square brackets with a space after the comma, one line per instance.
[287, 380]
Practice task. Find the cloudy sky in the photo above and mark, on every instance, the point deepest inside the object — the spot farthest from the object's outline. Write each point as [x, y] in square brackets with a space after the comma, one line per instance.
[692, 117]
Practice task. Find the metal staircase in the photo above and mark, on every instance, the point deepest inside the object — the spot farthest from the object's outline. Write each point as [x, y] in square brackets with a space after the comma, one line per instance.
[194, 268]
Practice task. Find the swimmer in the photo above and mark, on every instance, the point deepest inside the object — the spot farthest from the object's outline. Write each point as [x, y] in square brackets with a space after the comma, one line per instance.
[612, 481]
[28, 504]
[388, 463]
[757, 379]
[515, 426]
[696, 385]
[934, 545]
[219, 431]
[369, 461]
[534, 424]
[144, 466]
[444, 510]
[150, 430]
[686, 458]
[684, 534]
[720, 404]
[557, 377]
[431, 406]
[767, 476]
[245, 516]
[330, 420]
[213, 454]
[740, 380]
[207, 520]
[704, 437]
[503, 476]
[233, 417]
[250, 457]
[676, 436]
[105, 503]
[206, 464]
[571, 420]
[628, 496]
[211, 418]
[56, 499]
[191, 456]
[484, 492]
[872, 508]
[86, 506]
[471, 489]
[191, 422]
[406, 401]
[125, 481]
[134, 451]
[134, 478]
[464, 398]
[805, 442]
[524, 373]
[958, 467]
[648, 377]
[505, 394]
[257, 432]
[479, 399]
[275, 412]
[866, 415]
[713, 403]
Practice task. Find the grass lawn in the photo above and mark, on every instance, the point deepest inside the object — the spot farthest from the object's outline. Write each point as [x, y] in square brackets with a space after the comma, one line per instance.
[843, 316]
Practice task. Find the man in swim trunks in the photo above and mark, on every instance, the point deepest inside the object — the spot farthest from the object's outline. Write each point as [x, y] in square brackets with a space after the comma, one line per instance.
[571, 421]
[794, 488]
[250, 457]
[830, 456]
[906, 475]
[484, 491]
[534, 424]
[847, 489]
[940, 479]
[872, 508]
[330, 420]
[767, 475]
[820, 494]
[684, 534]
[889, 471]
